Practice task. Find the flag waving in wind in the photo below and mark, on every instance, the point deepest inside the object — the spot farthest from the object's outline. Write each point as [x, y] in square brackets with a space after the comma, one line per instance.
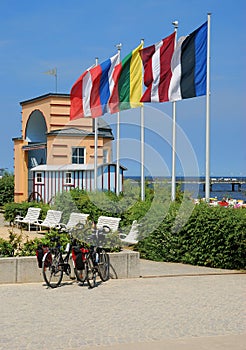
[157, 69]
[189, 66]
[175, 74]
[76, 108]
[91, 92]
[128, 88]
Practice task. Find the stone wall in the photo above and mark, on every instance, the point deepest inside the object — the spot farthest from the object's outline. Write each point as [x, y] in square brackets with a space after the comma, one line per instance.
[124, 264]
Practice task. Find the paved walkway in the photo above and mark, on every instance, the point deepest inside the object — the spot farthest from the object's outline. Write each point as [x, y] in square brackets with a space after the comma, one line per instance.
[197, 308]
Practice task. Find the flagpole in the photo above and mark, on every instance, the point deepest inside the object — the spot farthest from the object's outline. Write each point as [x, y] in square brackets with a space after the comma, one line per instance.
[118, 142]
[142, 150]
[173, 194]
[207, 177]
[95, 146]
[118, 154]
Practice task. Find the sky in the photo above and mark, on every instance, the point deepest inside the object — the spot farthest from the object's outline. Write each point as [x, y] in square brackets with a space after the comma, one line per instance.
[36, 36]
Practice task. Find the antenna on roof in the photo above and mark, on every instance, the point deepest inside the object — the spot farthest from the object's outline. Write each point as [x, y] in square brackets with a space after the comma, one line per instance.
[54, 73]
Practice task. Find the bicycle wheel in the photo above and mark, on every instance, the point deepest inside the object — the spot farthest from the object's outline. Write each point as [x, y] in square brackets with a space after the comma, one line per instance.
[91, 273]
[52, 269]
[103, 265]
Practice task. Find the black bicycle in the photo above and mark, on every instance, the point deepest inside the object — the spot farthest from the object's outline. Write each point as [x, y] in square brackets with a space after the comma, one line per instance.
[54, 265]
[84, 265]
[95, 258]
[87, 262]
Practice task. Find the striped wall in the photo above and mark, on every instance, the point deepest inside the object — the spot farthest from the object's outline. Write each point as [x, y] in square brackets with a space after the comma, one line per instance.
[53, 182]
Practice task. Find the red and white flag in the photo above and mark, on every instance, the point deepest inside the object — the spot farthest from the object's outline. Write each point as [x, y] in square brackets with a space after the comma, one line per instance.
[157, 69]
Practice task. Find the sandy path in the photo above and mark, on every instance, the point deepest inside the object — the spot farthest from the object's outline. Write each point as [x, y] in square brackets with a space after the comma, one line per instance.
[5, 230]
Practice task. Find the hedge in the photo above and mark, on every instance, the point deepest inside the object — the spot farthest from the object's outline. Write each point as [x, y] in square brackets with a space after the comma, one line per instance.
[203, 235]
[213, 237]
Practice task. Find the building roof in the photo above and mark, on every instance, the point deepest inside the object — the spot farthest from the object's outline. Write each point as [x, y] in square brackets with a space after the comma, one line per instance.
[70, 167]
[34, 145]
[50, 94]
[105, 132]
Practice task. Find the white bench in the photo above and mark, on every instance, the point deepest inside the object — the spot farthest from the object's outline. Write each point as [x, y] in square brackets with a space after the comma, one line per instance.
[111, 222]
[31, 217]
[74, 220]
[52, 219]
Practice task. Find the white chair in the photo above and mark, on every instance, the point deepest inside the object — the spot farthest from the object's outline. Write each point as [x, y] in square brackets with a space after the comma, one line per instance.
[132, 236]
[74, 220]
[52, 219]
[108, 221]
[31, 217]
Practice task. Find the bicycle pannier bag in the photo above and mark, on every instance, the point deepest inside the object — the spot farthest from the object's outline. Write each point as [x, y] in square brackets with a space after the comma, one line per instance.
[41, 250]
[78, 256]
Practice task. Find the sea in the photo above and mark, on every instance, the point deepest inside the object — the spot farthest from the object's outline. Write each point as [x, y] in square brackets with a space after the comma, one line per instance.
[222, 188]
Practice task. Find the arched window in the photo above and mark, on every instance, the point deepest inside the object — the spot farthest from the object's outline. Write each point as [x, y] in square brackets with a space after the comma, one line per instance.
[36, 128]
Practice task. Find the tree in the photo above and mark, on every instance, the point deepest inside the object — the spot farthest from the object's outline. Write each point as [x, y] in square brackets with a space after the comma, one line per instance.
[6, 188]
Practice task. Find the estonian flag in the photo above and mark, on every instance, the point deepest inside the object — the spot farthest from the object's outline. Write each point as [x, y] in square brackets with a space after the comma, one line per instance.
[189, 66]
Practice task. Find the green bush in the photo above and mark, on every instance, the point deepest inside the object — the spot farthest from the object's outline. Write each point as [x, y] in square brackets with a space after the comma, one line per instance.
[6, 248]
[14, 246]
[169, 231]
[11, 210]
[212, 236]
[6, 189]
[11, 246]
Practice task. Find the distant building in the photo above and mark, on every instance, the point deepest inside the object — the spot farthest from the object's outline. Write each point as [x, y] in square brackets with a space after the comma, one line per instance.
[54, 154]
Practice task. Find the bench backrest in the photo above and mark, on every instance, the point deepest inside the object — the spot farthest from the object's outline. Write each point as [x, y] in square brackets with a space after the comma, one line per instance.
[53, 218]
[132, 236]
[111, 222]
[32, 214]
[77, 218]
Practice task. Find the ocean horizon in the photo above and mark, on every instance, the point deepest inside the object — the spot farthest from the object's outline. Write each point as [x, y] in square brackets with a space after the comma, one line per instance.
[219, 190]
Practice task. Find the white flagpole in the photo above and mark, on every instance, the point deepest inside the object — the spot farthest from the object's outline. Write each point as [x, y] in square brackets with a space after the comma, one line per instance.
[95, 146]
[118, 155]
[207, 177]
[173, 194]
[118, 142]
[142, 150]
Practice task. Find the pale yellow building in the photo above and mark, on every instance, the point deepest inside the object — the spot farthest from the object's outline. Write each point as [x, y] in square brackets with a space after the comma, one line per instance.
[54, 154]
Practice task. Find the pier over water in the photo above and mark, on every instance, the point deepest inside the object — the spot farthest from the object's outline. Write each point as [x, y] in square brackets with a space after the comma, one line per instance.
[235, 183]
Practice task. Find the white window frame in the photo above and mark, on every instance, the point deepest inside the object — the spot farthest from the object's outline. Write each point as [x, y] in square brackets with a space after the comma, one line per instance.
[78, 156]
[39, 177]
[68, 178]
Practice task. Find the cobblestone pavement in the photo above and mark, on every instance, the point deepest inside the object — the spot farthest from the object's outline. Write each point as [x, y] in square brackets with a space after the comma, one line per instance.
[185, 312]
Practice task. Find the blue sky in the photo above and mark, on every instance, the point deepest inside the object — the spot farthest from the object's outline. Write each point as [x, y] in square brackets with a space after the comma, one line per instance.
[36, 36]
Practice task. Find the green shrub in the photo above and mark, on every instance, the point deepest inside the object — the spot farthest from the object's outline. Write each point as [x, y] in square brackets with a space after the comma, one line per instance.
[65, 203]
[6, 189]
[212, 236]
[169, 231]
[6, 248]
[12, 246]
[11, 210]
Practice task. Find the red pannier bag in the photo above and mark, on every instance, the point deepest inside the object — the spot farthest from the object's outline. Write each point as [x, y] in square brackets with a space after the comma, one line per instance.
[40, 252]
[79, 257]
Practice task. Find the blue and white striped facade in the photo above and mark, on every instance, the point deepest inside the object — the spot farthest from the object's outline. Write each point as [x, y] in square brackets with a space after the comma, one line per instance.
[48, 180]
